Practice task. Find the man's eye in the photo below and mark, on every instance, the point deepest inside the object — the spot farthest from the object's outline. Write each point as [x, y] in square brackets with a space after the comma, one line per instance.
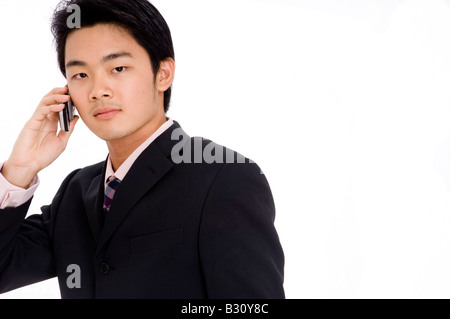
[80, 76]
[119, 69]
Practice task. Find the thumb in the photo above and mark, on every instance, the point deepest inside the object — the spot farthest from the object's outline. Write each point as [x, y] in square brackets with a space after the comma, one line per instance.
[66, 135]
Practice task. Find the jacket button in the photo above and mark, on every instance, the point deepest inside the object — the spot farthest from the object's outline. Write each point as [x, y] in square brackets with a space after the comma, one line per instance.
[104, 268]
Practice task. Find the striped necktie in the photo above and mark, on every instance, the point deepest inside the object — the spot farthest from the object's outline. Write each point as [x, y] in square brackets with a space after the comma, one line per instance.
[110, 190]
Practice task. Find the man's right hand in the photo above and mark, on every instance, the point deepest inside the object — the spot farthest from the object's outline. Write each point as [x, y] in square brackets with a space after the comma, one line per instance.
[39, 144]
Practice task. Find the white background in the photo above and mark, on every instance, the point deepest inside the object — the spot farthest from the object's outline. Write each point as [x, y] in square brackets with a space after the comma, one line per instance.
[345, 105]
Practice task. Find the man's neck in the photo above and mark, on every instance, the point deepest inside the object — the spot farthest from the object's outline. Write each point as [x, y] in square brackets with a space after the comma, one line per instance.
[120, 150]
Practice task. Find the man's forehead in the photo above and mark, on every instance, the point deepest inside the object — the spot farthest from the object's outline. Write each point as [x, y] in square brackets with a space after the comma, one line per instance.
[102, 42]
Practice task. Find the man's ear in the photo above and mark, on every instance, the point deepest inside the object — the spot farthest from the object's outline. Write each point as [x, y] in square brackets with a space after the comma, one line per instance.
[166, 74]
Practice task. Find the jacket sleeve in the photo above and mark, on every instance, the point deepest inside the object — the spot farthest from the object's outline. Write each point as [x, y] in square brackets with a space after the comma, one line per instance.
[241, 255]
[25, 244]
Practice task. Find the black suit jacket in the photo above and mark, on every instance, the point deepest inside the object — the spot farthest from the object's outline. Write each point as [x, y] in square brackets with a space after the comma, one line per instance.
[175, 230]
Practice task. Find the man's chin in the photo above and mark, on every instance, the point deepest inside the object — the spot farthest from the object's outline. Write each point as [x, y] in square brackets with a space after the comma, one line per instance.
[111, 136]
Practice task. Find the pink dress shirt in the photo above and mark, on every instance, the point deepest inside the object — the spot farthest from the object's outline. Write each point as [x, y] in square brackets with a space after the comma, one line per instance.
[12, 196]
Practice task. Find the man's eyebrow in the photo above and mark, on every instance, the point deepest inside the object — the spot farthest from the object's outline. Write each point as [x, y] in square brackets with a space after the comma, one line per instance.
[105, 59]
[116, 55]
[75, 63]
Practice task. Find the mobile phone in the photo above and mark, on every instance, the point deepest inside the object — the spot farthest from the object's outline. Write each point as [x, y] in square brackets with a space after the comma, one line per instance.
[66, 115]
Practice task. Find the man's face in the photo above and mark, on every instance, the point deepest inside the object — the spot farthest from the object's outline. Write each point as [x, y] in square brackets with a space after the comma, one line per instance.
[111, 83]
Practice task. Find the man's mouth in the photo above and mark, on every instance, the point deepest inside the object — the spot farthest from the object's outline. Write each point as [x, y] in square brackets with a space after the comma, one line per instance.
[106, 113]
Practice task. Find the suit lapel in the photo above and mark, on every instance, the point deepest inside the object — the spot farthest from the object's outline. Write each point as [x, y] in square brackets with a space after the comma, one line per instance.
[146, 171]
[94, 203]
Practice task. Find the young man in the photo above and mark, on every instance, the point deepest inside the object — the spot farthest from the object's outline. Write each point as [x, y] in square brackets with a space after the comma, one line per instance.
[154, 220]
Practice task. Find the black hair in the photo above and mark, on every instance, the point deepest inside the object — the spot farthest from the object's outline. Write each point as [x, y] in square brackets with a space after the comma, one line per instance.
[139, 17]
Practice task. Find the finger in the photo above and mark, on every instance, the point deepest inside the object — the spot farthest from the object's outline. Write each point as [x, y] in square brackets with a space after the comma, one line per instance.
[73, 123]
[58, 90]
[42, 112]
[55, 99]
[65, 135]
[54, 115]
